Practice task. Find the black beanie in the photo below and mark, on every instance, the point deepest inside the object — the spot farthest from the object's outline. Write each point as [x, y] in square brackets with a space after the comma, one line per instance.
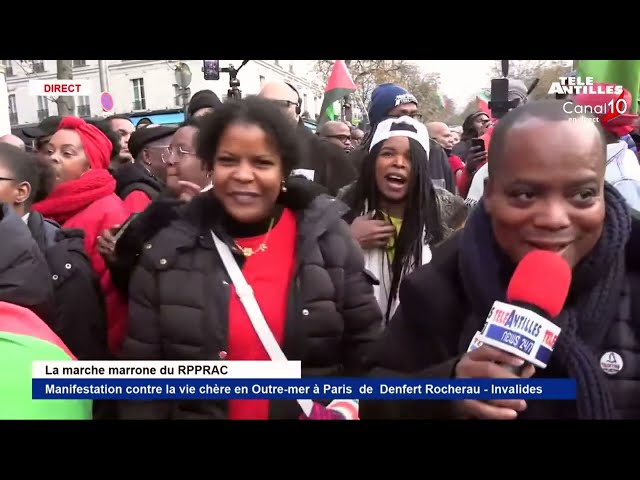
[203, 99]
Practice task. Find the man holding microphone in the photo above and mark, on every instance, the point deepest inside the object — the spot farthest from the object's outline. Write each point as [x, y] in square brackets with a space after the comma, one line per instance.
[545, 193]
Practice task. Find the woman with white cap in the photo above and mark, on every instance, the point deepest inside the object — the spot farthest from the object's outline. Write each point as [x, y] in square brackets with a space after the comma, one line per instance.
[396, 211]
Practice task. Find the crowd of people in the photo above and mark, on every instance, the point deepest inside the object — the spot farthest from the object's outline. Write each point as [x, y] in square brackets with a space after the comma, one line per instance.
[370, 252]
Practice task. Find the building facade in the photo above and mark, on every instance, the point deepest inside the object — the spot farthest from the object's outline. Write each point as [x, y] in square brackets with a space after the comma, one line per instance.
[5, 124]
[140, 86]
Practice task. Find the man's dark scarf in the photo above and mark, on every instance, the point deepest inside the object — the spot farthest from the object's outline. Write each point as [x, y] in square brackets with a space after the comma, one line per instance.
[593, 303]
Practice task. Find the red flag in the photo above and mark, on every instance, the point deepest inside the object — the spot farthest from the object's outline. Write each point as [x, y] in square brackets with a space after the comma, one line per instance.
[339, 85]
[340, 77]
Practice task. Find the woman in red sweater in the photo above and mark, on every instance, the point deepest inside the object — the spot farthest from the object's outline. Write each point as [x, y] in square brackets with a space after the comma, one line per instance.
[84, 198]
[293, 248]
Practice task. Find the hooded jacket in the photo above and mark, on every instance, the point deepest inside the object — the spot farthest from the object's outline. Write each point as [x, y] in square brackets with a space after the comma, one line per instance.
[623, 172]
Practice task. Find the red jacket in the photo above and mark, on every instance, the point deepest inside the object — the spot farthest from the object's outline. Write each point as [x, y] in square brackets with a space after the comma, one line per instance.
[137, 201]
[102, 214]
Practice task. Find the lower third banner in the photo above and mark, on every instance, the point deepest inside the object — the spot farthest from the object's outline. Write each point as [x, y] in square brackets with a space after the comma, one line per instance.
[306, 388]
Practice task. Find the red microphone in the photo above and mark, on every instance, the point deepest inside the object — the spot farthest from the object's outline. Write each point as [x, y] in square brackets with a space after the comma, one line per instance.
[536, 294]
[541, 281]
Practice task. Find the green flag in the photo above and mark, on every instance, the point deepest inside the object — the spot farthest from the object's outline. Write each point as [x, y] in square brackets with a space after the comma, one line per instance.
[620, 72]
[333, 111]
[339, 85]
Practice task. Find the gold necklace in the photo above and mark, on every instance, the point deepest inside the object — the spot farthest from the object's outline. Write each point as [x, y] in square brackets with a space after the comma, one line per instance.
[248, 251]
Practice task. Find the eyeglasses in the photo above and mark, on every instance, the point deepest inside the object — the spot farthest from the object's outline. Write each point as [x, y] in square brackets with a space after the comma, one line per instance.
[284, 104]
[178, 154]
[341, 138]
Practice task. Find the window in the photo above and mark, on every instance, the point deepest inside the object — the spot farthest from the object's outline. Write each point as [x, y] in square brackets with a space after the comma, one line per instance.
[13, 111]
[79, 63]
[8, 69]
[261, 80]
[84, 106]
[179, 95]
[139, 102]
[43, 108]
[37, 66]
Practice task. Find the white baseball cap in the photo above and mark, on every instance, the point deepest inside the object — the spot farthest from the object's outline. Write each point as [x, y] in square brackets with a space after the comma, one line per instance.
[401, 127]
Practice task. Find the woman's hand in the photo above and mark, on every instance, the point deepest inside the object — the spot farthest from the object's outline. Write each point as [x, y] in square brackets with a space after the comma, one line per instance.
[370, 233]
[107, 244]
[188, 190]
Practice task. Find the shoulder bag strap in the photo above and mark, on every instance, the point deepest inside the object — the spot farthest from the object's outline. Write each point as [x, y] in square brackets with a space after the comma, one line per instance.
[245, 294]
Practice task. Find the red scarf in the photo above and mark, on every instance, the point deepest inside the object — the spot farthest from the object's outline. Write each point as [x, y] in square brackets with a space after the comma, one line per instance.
[71, 197]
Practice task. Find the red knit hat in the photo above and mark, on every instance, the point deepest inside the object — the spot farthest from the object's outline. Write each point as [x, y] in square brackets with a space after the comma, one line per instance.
[96, 145]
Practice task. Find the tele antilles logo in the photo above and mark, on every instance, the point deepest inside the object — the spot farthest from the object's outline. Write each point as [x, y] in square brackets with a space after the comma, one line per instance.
[603, 110]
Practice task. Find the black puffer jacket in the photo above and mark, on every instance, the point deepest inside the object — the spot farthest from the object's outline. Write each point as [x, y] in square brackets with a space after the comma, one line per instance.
[157, 216]
[80, 318]
[179, 295]
[25, 279]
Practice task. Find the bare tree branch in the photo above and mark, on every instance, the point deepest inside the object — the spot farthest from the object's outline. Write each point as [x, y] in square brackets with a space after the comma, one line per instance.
[367, 74]
[29, 71]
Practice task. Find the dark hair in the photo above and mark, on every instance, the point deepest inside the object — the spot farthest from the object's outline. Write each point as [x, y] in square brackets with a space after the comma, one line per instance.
[549, 110]
[29, 167]
[118, 117]
[252, 111]
[114, 137]
[195, 122]
[421, 222]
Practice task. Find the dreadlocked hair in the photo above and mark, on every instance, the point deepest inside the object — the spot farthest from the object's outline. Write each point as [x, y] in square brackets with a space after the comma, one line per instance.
[421, 220]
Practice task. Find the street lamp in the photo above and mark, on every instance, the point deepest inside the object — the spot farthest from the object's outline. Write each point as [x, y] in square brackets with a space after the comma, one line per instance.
[183, 80]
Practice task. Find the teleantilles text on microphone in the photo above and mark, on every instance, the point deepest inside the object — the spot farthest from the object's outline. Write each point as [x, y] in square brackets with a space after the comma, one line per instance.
[228, 380]
[521, 332]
